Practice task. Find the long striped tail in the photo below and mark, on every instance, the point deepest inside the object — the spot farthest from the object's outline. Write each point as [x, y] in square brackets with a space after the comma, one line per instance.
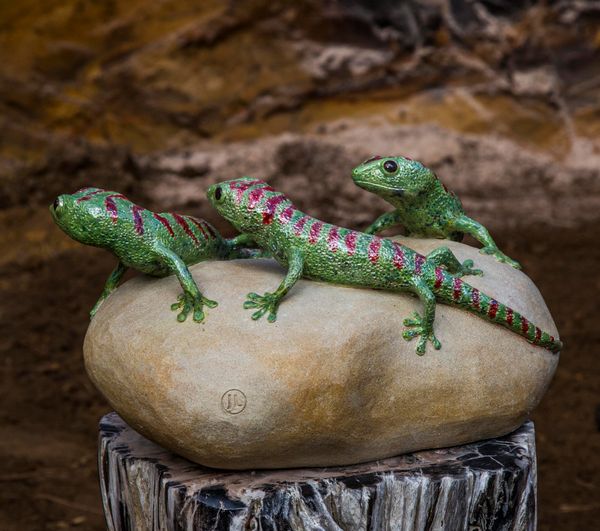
[454, 291]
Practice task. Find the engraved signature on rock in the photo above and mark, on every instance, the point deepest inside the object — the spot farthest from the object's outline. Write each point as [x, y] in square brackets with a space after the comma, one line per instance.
[233, 401]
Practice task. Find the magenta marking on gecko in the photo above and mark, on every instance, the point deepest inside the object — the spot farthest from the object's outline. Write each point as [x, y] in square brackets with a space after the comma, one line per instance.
[419, 261]
[286, 214]
[350, 241]
[165, 223]
[138, 221]
[374, 247]
[299, 226]
[186, 228]
[271, 206]
[315, 230]
[333, 238]
[198, 224]
[111, 207]
[398, 256]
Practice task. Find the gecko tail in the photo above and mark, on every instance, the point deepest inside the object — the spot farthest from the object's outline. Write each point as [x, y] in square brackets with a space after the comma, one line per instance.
[453, 290]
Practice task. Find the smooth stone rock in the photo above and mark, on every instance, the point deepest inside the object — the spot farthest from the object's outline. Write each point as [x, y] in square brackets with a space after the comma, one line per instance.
[332, 382]
[483, 486]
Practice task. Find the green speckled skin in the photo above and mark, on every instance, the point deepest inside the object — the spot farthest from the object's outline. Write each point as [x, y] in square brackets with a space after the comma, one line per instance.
[316, 250]
[423, 205]
[153, 243]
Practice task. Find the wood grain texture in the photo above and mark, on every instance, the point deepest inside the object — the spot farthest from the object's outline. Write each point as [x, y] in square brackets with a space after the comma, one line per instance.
[488, 485]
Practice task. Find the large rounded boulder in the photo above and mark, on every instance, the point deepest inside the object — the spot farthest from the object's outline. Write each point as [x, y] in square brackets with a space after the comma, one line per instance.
[331, 382]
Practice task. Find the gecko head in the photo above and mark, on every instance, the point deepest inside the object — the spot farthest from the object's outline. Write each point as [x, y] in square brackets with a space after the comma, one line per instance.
[393, 177]
[237, 201]
[76, 216]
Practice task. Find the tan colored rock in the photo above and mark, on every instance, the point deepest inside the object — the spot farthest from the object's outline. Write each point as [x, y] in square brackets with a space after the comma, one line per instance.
[332, 382]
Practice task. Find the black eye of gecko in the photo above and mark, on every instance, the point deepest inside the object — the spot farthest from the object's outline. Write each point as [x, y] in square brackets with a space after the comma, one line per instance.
[56, 203]
[218, 193]
[390, 166]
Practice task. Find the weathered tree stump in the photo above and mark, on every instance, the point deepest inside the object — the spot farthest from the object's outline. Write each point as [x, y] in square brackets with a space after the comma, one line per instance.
[488, 485]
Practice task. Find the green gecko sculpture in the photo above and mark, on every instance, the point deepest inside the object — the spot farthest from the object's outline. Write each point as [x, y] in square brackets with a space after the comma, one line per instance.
[320, 251]
[155, 244]
[423, 204]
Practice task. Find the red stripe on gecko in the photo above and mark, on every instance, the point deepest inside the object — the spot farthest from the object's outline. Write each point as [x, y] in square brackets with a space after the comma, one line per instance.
[439, 278]
[333, 238]
[475, 298]
[254, 197]
[456, 288]
[138, 222]
[300, 225]
[287, 214]
[315, 230]
[509, 316]
[270, 207]
[374, 247]
[538, 335]
[111, 207]
[87, 197]
[493, 309]
[398, 256]
[198, 224]
[166, 223]
[350, 241]
[183, 224]
[209, 228]
[419, 261]
[524, 325]
[241, 187]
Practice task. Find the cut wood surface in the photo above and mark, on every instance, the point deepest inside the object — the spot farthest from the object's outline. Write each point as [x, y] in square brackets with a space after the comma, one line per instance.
[488, 485]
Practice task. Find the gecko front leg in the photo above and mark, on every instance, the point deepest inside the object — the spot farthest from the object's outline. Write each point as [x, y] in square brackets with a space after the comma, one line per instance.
[480, 233]
[111, 284]
[269, 302]
[191, 298]
[389, 219]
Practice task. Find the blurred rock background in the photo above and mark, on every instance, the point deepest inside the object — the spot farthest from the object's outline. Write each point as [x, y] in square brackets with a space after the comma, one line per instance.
[160, 99]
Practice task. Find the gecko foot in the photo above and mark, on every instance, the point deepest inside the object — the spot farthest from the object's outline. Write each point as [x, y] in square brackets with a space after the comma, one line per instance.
[500, 256]
[466, 268]
[186, 302]
[269, 302]
[425, 333]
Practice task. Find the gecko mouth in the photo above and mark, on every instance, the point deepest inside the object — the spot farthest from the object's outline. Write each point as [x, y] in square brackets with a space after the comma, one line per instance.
[399, 192]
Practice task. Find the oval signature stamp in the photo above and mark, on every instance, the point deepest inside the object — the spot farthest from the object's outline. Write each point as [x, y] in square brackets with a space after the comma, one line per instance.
[233, 401]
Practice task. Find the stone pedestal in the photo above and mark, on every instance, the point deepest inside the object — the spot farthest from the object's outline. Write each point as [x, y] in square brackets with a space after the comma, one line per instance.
[488, 485]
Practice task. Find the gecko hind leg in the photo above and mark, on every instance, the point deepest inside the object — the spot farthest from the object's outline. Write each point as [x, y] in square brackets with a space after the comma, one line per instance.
[422, 327]
[442, 256]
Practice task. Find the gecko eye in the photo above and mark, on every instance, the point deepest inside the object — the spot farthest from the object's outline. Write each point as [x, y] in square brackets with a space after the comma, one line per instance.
[218, 193]
[390, 166]
[57, 203]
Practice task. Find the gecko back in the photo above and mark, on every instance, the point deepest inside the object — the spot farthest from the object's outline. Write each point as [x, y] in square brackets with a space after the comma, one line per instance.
[157, 244]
